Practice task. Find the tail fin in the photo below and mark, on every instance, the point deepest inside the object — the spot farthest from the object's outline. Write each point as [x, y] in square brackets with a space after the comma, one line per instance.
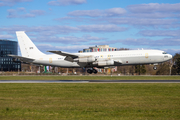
[28, 49]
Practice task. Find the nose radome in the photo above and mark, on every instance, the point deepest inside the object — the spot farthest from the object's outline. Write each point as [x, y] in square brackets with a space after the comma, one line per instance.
[170, 56]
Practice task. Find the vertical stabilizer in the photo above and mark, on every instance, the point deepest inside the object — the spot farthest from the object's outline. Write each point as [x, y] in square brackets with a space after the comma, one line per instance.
[28, 49]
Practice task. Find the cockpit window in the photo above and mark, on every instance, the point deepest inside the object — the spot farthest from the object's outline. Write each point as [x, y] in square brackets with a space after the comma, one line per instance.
[164, 53]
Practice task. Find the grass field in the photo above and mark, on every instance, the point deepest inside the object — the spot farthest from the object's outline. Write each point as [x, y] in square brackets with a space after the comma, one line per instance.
[89, 77]
[90, 101]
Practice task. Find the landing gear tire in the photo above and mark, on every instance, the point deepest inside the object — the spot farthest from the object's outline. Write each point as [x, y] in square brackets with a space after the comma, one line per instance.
[94, 71]
[155, 68]
[89, 71]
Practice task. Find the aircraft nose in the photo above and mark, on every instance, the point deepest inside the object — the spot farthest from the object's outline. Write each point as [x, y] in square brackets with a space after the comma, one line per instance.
[170, 56]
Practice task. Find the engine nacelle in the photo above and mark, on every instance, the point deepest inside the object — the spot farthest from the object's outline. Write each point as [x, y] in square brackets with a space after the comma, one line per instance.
[106, 63]
[85, 59]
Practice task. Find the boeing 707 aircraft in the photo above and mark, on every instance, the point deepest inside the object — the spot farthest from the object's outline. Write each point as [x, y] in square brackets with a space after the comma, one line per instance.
[31, 54]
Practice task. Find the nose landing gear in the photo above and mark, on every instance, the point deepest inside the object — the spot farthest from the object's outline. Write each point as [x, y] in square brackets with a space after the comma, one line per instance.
[155, 68]
[90, 71]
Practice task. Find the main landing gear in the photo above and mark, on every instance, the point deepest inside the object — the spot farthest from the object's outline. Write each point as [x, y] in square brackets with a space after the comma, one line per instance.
[90, 71]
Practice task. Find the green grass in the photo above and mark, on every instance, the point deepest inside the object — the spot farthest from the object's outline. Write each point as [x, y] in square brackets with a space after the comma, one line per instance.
[89, 78]
[90, 101]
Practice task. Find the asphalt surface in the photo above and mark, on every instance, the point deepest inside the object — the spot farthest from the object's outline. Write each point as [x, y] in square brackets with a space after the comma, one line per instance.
[89, 81]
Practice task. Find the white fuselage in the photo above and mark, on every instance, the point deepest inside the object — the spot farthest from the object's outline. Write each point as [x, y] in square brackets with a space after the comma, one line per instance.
[128, 57]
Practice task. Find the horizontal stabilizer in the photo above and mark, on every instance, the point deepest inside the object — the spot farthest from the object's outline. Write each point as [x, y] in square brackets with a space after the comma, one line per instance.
[24, 59]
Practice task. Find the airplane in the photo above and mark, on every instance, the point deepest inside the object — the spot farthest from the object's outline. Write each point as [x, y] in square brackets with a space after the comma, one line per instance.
[31, 54]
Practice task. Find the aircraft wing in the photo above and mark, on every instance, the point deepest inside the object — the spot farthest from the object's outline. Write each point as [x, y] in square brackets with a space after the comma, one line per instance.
[69, 56]
[73, 56]
[117, 62]
[24, 59]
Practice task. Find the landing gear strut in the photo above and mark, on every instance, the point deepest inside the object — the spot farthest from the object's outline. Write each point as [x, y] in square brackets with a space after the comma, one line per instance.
[90, 71]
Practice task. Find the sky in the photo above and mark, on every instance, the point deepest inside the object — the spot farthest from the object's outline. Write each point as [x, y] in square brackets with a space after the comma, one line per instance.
[73, 25]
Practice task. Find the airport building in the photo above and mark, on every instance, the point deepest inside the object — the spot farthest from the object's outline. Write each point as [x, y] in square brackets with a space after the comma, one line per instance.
[100, 48]
[6, 62]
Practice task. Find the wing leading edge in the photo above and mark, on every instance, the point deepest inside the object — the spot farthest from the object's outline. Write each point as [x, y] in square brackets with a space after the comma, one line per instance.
[65, 54]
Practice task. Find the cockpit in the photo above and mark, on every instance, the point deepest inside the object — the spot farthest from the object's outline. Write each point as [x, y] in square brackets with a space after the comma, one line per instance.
[166, 56]
[164, 53]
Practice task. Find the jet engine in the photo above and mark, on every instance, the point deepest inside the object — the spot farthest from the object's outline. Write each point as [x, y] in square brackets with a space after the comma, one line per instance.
[85, 59]
[106, 63]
